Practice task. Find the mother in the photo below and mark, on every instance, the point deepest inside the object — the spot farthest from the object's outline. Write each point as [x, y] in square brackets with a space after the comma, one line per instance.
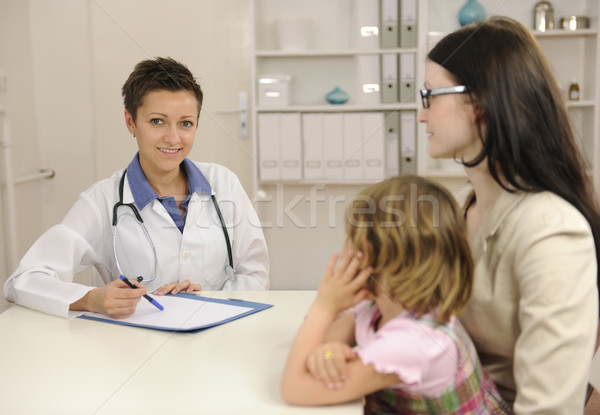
[492, 104]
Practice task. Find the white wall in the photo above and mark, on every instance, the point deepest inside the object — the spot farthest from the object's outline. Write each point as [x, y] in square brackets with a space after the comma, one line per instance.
[16, 63]
[45, 54]
[211, 37]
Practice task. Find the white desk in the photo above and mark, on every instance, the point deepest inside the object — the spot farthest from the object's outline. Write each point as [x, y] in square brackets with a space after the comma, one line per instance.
[51, 365]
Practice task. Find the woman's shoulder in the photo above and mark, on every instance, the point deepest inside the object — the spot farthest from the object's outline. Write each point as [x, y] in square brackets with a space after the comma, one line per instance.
[550, 210]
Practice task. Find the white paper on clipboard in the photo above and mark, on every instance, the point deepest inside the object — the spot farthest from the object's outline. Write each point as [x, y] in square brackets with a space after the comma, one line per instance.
[183, 312]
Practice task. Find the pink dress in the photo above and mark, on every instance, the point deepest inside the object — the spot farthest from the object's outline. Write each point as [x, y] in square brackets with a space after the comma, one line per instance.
[423, 357]
[438, 366]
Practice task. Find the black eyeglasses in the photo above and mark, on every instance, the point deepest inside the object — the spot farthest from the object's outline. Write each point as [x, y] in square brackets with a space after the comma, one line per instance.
[426, 93]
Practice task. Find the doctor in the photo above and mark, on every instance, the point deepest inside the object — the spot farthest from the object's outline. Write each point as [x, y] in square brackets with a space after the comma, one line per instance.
[165, 222]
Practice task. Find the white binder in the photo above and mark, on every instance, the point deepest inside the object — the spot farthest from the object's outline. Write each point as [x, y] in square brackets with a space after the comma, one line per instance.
[408, 23]
[366, 24]
[312, 138]
[389, 24]
[392, 145]
[407, 88]
[368, 76]
[408, 142]
[373, 137]
[353, 147]
[268, 146]
[333, 146]
[389, 78]
[290, 141]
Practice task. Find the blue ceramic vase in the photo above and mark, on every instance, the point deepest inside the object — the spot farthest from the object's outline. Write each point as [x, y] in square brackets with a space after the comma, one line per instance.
[472, 12]
[337, 96]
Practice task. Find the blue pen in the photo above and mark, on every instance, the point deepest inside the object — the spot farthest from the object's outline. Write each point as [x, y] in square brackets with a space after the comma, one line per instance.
[146, 296]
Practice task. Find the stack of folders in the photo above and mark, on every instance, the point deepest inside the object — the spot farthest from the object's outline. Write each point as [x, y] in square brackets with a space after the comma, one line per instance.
[354, 146]
[398, 30]
[336, 147]
[401, 142]
[386, 24]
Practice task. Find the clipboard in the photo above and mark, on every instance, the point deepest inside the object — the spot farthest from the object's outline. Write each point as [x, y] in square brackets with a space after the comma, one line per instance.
[183, 312]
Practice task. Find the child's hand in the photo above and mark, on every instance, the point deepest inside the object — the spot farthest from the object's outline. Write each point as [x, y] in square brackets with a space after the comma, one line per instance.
[327, 363]
[343, 285]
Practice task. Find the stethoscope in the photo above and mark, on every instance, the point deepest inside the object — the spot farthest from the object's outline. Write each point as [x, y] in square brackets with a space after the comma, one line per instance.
[229, 270]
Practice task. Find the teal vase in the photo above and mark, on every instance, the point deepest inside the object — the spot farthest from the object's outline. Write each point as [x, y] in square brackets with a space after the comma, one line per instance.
[337, 96]
[472, 12]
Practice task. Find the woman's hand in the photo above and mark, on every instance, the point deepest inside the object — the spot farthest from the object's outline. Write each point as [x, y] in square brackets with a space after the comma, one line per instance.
[174, 288]
[343, 285]
[116, 299]
[327, 363]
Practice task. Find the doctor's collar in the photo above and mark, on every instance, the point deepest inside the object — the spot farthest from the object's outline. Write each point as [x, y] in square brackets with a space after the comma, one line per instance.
[143, 193]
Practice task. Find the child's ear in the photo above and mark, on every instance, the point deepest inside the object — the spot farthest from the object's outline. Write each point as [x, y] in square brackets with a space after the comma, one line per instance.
[367, 251]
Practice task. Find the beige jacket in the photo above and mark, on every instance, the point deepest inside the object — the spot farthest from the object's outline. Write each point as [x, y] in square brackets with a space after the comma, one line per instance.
[534, 312]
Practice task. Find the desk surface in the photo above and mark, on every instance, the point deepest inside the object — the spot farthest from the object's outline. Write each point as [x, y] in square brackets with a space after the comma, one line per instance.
[54, 365]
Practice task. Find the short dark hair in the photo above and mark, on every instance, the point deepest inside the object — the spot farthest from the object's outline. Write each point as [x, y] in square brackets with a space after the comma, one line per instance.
[158, 74]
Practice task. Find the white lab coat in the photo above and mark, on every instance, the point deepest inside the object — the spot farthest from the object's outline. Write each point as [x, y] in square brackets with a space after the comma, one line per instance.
[44, 277]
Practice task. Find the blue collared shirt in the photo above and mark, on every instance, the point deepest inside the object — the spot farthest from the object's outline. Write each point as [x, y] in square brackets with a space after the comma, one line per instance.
[143, 194]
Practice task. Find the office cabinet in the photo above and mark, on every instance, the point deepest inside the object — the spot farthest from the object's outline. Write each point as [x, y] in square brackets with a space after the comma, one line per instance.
[319, 46]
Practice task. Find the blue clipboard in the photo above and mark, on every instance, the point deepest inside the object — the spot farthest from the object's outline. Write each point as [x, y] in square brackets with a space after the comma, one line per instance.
[184, 312]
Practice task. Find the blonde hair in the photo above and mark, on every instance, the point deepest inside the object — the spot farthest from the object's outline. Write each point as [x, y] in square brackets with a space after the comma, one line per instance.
[413, 234]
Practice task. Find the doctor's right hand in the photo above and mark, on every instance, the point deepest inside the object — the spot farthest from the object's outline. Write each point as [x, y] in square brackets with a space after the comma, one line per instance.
[116, 299]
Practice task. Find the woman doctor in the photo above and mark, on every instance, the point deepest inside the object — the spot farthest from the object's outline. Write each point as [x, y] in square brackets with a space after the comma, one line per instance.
[165, 222]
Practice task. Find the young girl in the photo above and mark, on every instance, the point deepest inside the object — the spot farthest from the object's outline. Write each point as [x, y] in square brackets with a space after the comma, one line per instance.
[406, 274]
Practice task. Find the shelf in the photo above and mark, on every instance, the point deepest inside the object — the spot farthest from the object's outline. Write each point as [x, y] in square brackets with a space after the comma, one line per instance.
[581, 104]
[317, 182]
[565, 33]
[331, 53]
[339, 108]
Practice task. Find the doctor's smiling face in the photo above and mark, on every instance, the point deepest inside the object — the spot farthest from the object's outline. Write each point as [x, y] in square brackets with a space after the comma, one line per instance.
[165, 127]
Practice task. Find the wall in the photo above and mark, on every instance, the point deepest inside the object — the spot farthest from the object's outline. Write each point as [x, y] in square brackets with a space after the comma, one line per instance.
[214, 47]
[45, 53]
[18, 100]
[304, 225]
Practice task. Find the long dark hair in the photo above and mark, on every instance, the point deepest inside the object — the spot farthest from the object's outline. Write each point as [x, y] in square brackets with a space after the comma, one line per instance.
[529, 143]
